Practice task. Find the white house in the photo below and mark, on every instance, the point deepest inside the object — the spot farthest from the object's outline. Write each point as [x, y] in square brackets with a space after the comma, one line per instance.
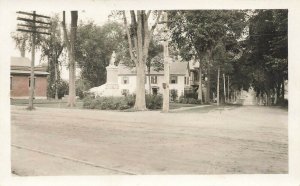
[179, 79]
[121, 79]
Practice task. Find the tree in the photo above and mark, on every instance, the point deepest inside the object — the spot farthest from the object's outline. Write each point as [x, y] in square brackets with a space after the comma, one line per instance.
[267, 54]
[197, 33]
[154, 59]
[139, 36]
[70, 43]
[51, 50]
[95, 44]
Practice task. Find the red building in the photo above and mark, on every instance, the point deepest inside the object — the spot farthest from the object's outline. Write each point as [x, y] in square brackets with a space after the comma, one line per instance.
[20, 79]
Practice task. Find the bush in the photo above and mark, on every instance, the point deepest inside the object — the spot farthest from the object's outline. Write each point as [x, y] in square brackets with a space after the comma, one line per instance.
[106, 103]
[154, 101]
[82, 86]
[120, 103]
[174, 94]
[188, 100]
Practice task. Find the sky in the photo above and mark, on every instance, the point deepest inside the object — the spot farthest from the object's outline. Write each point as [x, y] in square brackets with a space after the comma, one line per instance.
[98, 17]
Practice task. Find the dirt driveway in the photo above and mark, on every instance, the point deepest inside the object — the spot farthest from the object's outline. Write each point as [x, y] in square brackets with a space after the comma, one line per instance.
[50, 141]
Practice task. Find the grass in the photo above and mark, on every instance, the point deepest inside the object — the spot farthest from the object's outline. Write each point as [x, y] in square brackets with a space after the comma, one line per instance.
[210, 108]
[180, 105]
[46, 103]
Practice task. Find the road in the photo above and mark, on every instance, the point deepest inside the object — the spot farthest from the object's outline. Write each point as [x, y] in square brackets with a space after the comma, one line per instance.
[234, 140]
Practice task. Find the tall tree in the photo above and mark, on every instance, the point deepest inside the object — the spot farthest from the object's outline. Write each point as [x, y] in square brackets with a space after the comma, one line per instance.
[139, 36]
[51, 50]
[95, 44]
[70, 43]
[197, 33]
[266, 52]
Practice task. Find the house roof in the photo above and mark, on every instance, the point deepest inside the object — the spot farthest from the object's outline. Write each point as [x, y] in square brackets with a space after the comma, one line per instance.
[28, 72]
[21, 65]
[176, 68]
[20, 61]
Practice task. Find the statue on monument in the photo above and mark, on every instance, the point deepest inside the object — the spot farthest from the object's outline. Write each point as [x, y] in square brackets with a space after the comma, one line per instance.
[112, 59]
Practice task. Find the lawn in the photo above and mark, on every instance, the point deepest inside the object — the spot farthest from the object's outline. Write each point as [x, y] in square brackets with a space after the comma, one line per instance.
[45, 103]
[79, 104]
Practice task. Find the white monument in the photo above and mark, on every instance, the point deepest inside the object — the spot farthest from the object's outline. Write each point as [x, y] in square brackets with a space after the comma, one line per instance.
[111, 87]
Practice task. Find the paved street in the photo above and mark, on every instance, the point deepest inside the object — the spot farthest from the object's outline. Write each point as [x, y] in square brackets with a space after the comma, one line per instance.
[233, 140]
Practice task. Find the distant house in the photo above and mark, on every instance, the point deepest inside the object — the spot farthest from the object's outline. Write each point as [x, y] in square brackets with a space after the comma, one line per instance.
[20, 79]
[182, 78]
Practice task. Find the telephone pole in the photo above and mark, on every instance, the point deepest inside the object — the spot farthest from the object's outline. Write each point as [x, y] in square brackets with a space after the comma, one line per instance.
[166, 93]
[33, 26]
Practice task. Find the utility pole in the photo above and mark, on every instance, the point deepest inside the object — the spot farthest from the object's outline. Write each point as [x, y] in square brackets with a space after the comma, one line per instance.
[166, 93]
[32, 27]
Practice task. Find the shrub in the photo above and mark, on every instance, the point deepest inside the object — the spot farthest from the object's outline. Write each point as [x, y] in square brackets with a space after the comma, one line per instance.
[174, 94]
[154, 101]
[188, 100]
[120, 103]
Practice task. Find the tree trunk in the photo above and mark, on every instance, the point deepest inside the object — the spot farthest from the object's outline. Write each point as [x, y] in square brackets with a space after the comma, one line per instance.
[224, 80]
[208, 77]
[139, 37]
[72, 65]
[56, 80]
[140, 101]
[218, 87]
[200, 83]
[149, 79]
[228, 96]
[282, 90]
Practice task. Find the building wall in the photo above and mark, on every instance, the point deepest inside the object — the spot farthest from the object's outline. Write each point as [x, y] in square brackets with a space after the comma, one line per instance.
[131, 86]
[20, 86]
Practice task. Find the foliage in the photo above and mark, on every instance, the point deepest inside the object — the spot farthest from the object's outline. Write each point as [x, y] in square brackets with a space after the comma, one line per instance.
[106, 103]
[266, 53]
[120, 103]
[95, 45]
[154, 101]
[201, 34]
[63, 88]
[173, 94]
[81, 87]
[139, 34]
[51, 51]
[188, 100]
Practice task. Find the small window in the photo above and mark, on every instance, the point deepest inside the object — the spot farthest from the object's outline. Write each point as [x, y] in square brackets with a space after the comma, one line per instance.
[125, 80]
[186, 80]
[154, 79]
[173, 79]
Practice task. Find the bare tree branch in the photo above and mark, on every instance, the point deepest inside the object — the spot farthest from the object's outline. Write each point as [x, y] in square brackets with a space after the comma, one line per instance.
[66, 38]
[148, 14]
[156, 22]
[129, 38]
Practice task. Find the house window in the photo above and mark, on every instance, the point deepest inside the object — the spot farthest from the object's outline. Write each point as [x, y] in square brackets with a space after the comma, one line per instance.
[33, 82]
[186, 80]
[125, 80]
[154, 79]
[173, 79]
